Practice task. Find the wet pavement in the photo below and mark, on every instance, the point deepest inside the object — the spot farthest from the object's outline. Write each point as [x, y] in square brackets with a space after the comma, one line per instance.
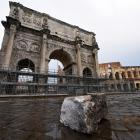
[38, 119]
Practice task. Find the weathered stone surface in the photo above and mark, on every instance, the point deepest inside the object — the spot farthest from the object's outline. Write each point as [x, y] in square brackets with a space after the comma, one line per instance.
[83, 113]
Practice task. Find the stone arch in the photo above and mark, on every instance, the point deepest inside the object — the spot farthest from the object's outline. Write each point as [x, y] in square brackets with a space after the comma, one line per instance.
[87, 72]
[129, 74]
[25, 63]
[65, 58]
[60, 51]
[117, 76]
[110, 75]
[135, 74]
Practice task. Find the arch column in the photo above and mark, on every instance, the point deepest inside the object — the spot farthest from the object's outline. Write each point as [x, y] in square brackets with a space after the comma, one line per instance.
[79, 65]
[137, 74]
[96, 62]
[43, 60]
[132, 74]
[9, 46]
[113, 74]
[126, 75]
[120, 76]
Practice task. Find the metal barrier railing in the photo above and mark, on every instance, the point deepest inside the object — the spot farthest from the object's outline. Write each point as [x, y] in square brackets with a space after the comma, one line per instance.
[30, 83]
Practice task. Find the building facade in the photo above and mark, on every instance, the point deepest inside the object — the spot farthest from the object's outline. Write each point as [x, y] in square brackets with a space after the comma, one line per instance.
[31, 39]
[120, 78]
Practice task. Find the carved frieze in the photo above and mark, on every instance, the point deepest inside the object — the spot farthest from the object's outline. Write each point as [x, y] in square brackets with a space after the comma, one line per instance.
[27, 46]
[15, 13]
[22, 45]
[32, 20]
[27, 17]
[36, 20]
[45, 23]
[90, 59]
[34, 47]
[83, 57]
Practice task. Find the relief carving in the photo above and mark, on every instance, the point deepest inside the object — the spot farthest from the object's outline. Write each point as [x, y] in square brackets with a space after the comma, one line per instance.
[27, 17]
[37, 21]
[32, 19]
[15, 13]
[45, 23]
[23, 45]
[83, 57]
[90, 59]
[34, 47]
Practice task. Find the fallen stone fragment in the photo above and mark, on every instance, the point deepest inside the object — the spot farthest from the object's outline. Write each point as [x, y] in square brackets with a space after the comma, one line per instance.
[83, 113]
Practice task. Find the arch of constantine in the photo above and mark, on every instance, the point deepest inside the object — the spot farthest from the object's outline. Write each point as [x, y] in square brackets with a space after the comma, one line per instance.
[32, 38]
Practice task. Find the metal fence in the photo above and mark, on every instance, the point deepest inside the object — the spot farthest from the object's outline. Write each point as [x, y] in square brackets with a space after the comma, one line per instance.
[29, 83]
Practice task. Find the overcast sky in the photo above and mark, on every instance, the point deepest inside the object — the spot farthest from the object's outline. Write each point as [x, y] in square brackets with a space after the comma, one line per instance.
[116, 23]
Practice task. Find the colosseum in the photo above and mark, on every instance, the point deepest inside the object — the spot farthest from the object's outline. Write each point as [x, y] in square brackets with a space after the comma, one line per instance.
[120, 78]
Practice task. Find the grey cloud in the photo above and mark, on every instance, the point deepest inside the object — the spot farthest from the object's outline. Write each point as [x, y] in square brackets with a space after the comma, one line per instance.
[115, 22]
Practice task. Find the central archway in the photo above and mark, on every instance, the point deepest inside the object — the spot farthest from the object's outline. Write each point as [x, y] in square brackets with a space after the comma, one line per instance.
[65, 58]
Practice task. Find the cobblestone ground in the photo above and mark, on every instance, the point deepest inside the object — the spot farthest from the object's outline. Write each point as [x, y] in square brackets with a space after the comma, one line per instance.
[38, 119]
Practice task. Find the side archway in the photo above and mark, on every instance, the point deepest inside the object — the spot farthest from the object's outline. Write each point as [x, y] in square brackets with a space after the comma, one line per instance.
[25, 63]
[117, 76]
[87, 72]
